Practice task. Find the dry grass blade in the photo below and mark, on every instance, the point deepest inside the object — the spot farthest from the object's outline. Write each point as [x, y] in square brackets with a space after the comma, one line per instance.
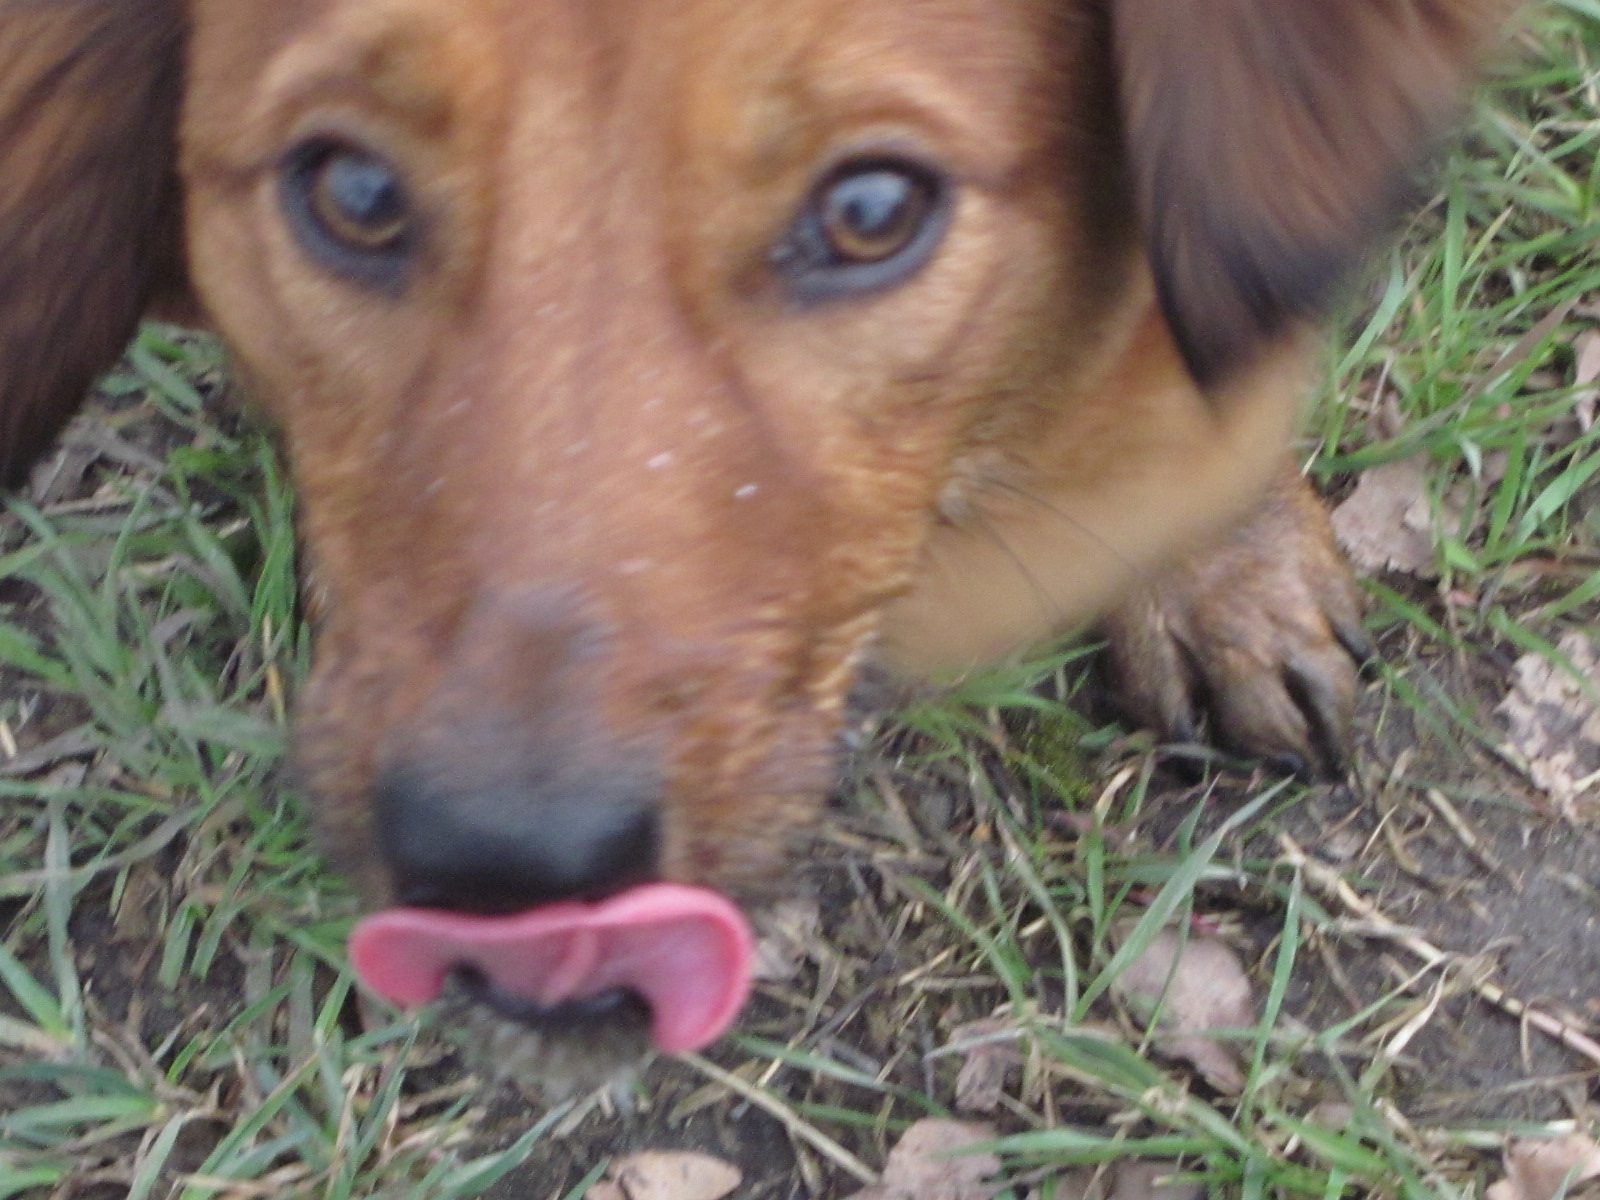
[792, 1121]
[1328, 881]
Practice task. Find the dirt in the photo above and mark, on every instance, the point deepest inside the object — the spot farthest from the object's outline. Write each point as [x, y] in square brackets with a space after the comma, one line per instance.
[1454, 843]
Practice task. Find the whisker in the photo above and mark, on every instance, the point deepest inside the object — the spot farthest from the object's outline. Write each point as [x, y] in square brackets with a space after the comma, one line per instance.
[1140, 572]
[990, 531]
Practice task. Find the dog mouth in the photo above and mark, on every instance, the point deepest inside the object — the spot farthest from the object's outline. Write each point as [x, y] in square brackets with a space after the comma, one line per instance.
[675, 957]
[616, 1007]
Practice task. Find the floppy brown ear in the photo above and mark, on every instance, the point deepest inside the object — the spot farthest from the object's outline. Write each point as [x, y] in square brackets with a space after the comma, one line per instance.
[89, 220]
[1271, 139]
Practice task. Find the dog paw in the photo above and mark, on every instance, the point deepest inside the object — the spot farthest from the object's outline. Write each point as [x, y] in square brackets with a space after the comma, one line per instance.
[1257, 641]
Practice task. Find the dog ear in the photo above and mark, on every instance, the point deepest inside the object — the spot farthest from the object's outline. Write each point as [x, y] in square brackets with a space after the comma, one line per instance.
[1270, 140]
[89, 210]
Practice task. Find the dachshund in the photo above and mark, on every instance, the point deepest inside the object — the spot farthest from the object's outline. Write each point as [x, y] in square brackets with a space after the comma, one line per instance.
[648, 367]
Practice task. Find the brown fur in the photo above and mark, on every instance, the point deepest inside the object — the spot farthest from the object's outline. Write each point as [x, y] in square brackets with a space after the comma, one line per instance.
[592, 470]
[89, 230]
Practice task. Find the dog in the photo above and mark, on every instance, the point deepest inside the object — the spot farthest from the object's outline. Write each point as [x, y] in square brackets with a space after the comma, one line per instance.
[646, 367]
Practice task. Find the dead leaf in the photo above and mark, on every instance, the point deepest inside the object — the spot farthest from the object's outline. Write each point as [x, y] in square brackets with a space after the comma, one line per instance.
[989, 1054]
[1585, 375]
[1127, 1181]
[1150, 1181]
[788, 933]
[1495, 465]
[1554, 724]
[138, 910]
[1386, 524]
[674, 1175]
[1200, 986]
[927, 1164]
[1335, 1115]
[1538, 1170]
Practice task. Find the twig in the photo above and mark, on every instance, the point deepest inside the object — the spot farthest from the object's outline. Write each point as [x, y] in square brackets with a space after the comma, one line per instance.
[1469, 839]
[792, 1121]
[1331, 883]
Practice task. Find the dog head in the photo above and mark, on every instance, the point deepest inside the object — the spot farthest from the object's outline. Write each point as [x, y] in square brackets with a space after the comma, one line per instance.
[627, 355]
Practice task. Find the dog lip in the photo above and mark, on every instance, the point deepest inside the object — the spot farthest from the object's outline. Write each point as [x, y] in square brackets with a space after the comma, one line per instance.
[619, 1004]
[684, 951]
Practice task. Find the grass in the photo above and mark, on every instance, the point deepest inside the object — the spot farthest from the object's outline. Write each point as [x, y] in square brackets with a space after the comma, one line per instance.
[175, 1016]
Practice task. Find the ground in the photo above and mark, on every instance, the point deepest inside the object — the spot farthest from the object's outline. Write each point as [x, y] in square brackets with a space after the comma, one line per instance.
[1411, 956]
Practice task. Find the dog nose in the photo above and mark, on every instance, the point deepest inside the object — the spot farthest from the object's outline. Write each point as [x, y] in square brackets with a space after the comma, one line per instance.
[496, 841]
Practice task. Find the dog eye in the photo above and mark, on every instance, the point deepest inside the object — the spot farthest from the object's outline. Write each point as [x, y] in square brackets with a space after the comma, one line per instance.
[869, 225]
[350, 211]
[874, 214]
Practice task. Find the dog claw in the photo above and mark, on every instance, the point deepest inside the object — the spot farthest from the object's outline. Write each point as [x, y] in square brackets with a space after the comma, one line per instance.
[1260, 638]
[1354, 641]
[1291, 764]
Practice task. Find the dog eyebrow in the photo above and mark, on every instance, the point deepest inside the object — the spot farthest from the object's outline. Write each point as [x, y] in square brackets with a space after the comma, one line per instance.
[941, 114]
[405, 71]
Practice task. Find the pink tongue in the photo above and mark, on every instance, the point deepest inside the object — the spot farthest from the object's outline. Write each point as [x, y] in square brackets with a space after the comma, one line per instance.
[685, 950]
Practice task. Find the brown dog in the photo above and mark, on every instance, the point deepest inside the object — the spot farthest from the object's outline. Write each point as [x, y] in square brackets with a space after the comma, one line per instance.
[645, 365]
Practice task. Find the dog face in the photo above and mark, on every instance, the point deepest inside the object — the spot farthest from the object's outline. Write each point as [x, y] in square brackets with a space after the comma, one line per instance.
[617, 439]
[633, 356]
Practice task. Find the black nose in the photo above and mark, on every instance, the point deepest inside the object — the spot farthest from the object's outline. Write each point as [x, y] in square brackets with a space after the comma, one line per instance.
[503, 791]
[502, 836]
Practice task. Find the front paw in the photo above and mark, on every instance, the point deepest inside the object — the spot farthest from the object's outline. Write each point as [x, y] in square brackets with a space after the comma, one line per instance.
[1257, 641]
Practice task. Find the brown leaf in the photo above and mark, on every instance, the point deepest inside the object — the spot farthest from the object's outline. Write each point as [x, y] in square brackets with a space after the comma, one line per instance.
[1334, 1115]
[927, 1164]
[1538, 1170]
[1585, 375]
[1386, 524]
[674, 1175]
[788, 933]
[1126, 1181]
[989, 1053]
[1149, 1181]
[1554, 724]
[1200, 986]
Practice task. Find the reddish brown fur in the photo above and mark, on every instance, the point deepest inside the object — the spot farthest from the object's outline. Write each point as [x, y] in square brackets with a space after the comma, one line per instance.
[595, 401]
[88, 200]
